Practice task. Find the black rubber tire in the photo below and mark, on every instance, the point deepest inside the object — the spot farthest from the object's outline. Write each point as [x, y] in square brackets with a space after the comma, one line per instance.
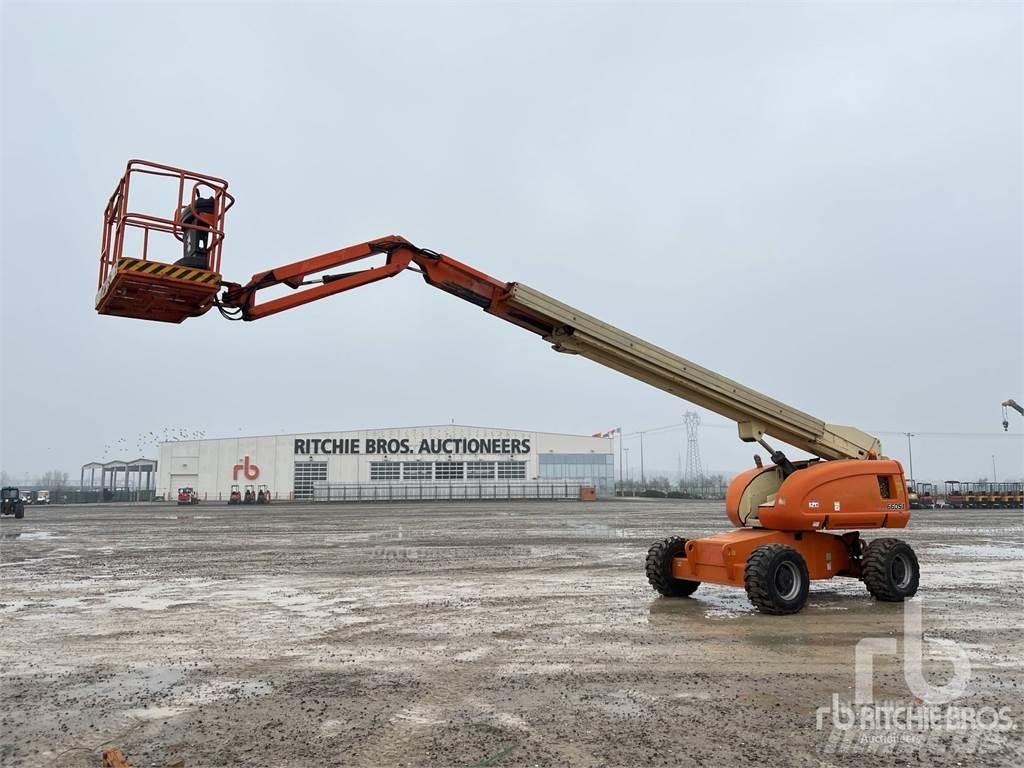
[659, 568]
[890, 570]
[19, 514]
[776, 579]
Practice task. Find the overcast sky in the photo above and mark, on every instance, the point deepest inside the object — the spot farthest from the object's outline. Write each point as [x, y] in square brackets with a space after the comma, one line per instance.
[821, 201]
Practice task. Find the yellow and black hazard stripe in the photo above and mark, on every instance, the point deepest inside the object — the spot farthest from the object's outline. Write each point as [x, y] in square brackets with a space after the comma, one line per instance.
[159, 269]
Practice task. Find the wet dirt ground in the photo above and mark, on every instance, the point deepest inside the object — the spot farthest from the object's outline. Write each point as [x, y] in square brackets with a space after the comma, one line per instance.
[466, 634]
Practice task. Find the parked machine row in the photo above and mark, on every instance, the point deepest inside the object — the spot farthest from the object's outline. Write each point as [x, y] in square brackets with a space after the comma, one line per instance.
[250, 496]
[959, 495]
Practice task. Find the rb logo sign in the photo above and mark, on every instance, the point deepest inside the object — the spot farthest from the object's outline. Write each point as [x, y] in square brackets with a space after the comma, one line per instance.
[250, 471]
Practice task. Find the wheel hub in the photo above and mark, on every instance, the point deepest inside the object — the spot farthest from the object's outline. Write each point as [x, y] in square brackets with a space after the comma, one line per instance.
[900, 571]
[787, 581]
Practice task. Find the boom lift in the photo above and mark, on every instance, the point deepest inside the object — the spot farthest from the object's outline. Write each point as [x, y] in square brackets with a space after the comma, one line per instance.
[786, 515]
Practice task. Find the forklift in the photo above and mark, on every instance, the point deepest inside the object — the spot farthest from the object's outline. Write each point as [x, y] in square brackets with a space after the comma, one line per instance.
[235, 497]
[793, 520]
[263, 495]
[250, 495]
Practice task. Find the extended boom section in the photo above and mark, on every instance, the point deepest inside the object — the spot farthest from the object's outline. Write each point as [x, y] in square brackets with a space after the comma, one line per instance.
[577, 332]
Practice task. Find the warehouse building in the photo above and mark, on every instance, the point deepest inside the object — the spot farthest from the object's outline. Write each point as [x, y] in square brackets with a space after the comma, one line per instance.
[445, 461]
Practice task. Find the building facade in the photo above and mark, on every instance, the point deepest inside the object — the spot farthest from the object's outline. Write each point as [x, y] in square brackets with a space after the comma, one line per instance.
[300, 466]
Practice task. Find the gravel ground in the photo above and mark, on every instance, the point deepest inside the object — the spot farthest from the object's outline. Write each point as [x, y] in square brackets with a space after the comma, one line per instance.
[463, 634]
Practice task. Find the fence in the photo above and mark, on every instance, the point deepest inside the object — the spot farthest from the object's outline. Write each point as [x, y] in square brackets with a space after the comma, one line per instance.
[705, 492]
[434, 491]
[94, 495]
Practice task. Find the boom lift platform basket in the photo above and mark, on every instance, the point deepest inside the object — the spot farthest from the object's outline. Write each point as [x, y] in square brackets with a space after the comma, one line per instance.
[132, 283]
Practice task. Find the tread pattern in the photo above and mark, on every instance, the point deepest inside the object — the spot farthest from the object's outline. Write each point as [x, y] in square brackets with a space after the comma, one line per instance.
[874, 569]
[658, 567]
[757, 576]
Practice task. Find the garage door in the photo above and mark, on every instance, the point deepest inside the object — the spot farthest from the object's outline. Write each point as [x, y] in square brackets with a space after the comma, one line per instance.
[183, 481]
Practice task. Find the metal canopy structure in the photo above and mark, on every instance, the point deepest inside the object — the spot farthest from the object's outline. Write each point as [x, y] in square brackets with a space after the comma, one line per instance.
[135, 475]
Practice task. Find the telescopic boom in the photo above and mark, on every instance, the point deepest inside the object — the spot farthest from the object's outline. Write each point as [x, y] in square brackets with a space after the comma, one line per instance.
[566, 328]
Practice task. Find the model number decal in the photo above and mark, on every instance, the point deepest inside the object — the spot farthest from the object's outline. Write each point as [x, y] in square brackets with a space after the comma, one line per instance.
[894, 506]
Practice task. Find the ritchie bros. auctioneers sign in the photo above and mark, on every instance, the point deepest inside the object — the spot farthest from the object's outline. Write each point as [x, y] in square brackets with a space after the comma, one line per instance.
[380, 446]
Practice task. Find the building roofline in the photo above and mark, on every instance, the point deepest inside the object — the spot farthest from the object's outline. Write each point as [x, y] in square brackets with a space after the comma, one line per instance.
[381, 429]
[119, 462]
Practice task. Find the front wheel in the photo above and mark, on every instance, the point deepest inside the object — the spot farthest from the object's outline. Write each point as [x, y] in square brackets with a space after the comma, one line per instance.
[776, 579]
[659, 568]
[890, 571]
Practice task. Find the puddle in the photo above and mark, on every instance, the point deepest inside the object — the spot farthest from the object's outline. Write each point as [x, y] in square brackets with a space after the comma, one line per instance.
[309, 604]
[333, 727]
[144, 599]
[217, 690]
[30, 536]
[155, 713]
[710, 603]
[63, 603]
[418, 714]
[152, 680]
[472, 655]
[31, 560]
[619, 704]
[1000, 551]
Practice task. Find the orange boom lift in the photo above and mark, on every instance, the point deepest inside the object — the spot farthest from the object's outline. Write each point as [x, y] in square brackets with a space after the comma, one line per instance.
[794, 521]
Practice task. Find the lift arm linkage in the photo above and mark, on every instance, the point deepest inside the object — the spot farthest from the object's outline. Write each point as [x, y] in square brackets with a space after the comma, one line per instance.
[566, 328]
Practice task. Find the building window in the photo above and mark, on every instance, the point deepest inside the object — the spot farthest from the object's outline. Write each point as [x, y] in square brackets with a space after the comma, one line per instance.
[590, 468]
[479, 470]
[384, 470]
[448, 470]
[511, 470]
[307, 473]
[417, 470]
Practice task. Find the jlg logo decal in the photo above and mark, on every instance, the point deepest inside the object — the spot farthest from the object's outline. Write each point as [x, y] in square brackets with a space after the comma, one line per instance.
[250, 471]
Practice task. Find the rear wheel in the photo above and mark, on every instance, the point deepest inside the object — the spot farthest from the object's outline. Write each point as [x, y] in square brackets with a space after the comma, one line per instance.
[659, 568]
[889, 569]
[776, 579]
[19, 513]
